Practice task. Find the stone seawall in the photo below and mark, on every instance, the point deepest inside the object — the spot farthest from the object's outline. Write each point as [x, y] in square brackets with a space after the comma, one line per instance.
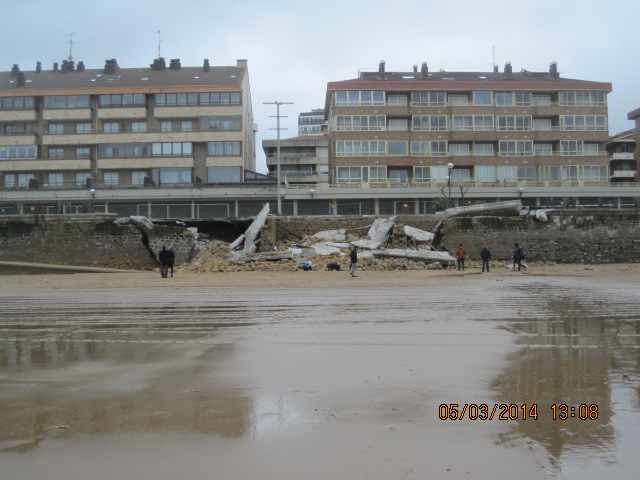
[574, 236]
[88, 240]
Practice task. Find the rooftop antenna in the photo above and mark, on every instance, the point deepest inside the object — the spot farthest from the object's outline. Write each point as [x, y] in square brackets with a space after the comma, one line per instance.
[159, 40]
[493, 63]
[71, 44]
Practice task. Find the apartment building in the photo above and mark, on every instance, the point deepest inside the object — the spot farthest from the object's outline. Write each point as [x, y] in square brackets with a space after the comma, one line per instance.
[421, 128]
[304, 160]
[125, 128]
[311, 123]
[621, 148]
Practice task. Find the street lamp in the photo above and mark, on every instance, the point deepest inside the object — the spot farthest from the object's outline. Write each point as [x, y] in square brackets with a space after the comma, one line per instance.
[450, 168]
[520, 191]
[278, 116]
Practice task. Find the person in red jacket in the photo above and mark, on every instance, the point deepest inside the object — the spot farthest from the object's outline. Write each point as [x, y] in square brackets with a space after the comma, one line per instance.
[461, 253]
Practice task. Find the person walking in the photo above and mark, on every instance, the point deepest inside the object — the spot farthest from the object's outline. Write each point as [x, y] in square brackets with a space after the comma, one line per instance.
[518, 255]
[171, 259]
[353, 255]
[485, 255]
[461, 253]
[163, 258]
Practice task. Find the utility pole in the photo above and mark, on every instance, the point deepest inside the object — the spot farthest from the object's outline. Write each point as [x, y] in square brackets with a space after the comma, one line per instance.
[278, 116]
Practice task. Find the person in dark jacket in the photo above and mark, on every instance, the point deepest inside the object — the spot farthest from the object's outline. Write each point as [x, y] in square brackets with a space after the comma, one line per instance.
[163, 258]
[171, 259]
[485, 255]
[353, 256]
[518, 255]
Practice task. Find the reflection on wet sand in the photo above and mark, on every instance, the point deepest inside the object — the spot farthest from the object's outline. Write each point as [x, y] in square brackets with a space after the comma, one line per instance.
[577, 348]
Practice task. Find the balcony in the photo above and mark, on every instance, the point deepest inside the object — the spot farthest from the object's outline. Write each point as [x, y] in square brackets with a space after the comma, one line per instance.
[623, 174]
[621, 156]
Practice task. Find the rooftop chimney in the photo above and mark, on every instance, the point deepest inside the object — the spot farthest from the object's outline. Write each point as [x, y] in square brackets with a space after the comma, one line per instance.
[241, 63]
[415, 69]
[381, 69]
[39, 67]
[20, 81]
[205, 66]
[80, 66]
[65, 66]
[424, 70]
[15, 70]
[111, 66]
[495, 69]
[174, 64]
[159, 64]
[553, 71]
[55, 66]
[508, 72]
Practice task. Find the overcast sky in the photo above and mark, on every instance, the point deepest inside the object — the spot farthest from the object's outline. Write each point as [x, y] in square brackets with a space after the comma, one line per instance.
[294, 48]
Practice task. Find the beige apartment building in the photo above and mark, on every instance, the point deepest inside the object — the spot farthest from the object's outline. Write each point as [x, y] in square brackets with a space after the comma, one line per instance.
[123, 129]
[498, 128]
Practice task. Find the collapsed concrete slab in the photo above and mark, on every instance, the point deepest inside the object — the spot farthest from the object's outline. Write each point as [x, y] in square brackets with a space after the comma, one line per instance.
[510, 208]
[427, 256]
[379, 234]
[251, 236]
[332, 235]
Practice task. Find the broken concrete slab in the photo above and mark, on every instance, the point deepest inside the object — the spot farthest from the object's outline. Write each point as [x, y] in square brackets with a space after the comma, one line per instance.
[332, 235]
[418, 236]
[252, 235]
[510, 208]
[427, 256]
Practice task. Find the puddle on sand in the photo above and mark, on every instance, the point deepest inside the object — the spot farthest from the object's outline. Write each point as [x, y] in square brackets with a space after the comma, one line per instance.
[579, 363]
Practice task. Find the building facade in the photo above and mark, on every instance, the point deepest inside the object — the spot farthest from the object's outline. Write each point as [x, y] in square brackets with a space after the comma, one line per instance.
[114, 128]
[304, 160]
[423, 128]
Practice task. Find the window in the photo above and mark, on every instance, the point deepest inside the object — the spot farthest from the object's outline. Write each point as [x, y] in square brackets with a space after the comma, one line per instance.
[439, 174]
[83, 128]
[506, 174]
[548, 173]
[428, 99]
[83, 152]
[358, 98]
[458, 149]
[583, 98]
[56, 153]
[224, 148]
[398, 175]
[394, 100]
[217, 98]
[543, 149]
[66, 101]
[527, 174]
[571, 147]
[186, 125]
[9, 129]
[458, 100]
[137, 178]
[504, 99]
[359, 148]
[360, 122]
[433, 148]
[542, 124]
[515, 147]
[485, 173]
[55, 179]
[17, 103]
[429, 123]
[111, 178]
[221, 123]
[138, 127]
[482, 97]
[590, 148]
[82, 177]
[541, 100]
[55, 129]
[351, 174]
[224, 174]
[126, 100]
[396, 148]
[172, 149]
[398, 124]
[111, 127]
[472, 122]
[18, 151]
[23, 179]
[421, 174]
[514, 122]
[377, 174]
[523, 99]
[483, 149]
[165, 126]
[583, 122]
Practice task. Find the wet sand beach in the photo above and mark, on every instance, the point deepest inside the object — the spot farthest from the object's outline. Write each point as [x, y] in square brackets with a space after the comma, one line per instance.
[317, 375]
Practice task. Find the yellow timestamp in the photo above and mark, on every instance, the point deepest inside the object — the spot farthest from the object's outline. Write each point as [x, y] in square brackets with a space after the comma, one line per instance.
[562, 411]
